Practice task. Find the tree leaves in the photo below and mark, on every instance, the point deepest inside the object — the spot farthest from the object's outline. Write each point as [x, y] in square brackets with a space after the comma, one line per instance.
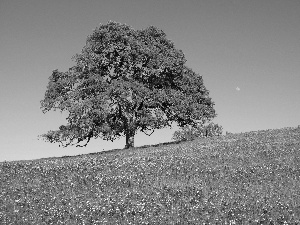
[188, 133]
[125, 80]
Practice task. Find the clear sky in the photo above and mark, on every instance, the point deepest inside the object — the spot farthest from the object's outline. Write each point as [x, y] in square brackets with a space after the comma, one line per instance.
[248, 52]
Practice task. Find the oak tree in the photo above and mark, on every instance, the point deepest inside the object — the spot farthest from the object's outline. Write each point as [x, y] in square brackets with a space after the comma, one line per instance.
[124, 81]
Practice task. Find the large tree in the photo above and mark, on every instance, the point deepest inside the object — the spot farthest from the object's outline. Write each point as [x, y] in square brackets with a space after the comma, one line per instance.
[125, 80]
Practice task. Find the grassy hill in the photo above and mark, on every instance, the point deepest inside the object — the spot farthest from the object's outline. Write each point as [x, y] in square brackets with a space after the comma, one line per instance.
[247, 178]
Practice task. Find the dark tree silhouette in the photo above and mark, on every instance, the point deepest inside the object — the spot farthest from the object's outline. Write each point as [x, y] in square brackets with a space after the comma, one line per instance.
[125, 80]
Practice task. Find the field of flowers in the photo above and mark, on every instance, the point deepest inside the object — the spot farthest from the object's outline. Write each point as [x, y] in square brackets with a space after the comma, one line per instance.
[247, 178]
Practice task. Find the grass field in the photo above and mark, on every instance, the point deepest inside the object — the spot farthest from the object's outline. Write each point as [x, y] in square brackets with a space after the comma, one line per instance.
[247, 178]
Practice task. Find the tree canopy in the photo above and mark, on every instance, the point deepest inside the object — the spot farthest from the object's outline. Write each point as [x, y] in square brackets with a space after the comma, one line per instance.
[124, 81]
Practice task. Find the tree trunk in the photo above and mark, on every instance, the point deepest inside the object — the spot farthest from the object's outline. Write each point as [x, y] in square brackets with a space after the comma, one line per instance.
[129, 139]
[129, 125]
[130, 132]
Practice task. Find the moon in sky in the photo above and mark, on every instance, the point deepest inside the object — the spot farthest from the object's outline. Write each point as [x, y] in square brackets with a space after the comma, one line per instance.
[237, 88]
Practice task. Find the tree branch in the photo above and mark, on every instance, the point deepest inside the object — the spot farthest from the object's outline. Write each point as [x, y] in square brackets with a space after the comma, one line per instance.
[146, 133]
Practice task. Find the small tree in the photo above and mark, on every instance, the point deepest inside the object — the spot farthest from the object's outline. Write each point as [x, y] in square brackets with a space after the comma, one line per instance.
[125, 80]
[188, 133]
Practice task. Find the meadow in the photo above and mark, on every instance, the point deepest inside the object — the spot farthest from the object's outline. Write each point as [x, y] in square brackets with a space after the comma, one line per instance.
[245, 178]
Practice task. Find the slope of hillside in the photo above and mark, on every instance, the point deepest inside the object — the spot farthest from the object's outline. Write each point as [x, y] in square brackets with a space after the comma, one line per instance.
[242, 178]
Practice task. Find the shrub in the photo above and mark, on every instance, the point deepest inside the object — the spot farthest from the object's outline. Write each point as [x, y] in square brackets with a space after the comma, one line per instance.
[188, 132]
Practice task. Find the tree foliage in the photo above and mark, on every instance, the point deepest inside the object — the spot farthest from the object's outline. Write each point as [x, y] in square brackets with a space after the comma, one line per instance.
[188, 133]
[125, 80]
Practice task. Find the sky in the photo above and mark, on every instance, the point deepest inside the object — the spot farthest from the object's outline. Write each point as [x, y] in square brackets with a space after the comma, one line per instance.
[247, 51]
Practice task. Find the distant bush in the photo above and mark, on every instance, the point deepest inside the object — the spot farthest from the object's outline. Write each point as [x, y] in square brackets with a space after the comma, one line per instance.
[188, 133]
